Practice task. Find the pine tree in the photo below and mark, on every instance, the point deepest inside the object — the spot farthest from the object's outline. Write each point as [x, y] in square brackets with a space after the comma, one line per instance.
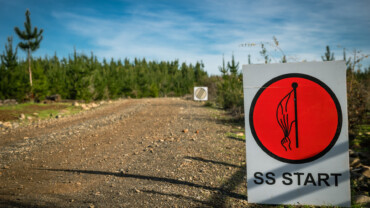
[328, 55]
[31, 38]
[283, 59]
[7, 69]
[41, 82]
[233, 68]
[9, 57]
[223, 68]
[199, 74]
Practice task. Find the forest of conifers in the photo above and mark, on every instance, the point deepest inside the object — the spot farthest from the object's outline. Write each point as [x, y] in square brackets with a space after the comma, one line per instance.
[83, 77]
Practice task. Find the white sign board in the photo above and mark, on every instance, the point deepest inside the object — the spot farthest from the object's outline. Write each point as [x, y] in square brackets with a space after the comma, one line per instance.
[201, 93]
[296, 133]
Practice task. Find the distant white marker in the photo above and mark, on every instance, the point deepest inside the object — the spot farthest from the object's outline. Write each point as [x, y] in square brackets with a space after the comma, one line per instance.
[201, 93]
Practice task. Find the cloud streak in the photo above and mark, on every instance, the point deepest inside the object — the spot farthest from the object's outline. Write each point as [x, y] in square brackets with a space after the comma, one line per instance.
[205, 30]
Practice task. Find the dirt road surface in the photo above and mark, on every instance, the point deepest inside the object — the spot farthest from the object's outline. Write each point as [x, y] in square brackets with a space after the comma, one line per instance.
[166, 152]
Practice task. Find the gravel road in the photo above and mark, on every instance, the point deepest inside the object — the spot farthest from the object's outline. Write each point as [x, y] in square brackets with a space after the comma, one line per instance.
[165, 152]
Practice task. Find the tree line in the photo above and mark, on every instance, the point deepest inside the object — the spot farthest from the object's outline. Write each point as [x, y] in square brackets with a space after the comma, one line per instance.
[82, 77]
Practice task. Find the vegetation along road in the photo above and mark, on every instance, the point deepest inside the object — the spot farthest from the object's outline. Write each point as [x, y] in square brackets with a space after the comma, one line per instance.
[166, 152]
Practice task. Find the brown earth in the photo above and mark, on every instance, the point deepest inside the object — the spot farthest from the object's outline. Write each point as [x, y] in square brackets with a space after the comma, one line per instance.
[166, 152]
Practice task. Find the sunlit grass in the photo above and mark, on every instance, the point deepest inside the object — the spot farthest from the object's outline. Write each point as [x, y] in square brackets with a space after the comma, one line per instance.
[236, 135]
[36, 110]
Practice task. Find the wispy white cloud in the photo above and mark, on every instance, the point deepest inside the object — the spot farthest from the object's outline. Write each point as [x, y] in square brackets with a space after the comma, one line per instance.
[160, 37]
[213, 28]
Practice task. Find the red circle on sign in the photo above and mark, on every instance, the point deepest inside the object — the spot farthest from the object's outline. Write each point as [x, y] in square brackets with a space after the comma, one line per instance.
[295, 118]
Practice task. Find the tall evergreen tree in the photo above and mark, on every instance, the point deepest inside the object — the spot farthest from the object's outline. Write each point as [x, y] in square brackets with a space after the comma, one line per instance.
[223, 68]
[230, 90]
[31, 40]
[7, 69]
[9, 57]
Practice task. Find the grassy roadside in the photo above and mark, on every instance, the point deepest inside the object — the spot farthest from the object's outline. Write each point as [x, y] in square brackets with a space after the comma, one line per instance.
[30, 111]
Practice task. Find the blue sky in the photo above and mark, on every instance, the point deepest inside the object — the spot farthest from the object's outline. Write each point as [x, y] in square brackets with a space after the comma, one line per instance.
[191, 31]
